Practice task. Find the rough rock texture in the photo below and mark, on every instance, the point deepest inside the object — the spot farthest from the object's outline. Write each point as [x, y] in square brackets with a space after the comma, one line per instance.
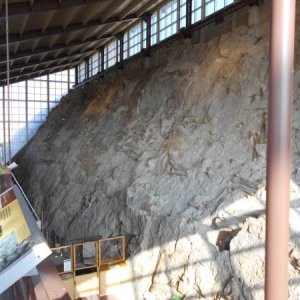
[248, 261]
[170, 152]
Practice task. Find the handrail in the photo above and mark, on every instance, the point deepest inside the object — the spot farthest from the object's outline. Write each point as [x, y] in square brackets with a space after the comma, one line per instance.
[71, 258]
[27, 200]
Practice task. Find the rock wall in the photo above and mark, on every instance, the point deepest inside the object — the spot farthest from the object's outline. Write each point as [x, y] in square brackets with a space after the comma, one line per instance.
[170, 151]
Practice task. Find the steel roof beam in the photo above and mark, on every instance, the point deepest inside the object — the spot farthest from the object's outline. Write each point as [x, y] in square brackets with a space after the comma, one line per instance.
[35, 63]
[33, 34]
[38, 73]
[33, 76]
[40, 50]
[24, 8]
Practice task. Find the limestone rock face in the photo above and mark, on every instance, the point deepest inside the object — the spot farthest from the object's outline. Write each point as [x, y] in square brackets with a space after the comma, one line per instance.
[171, 153]
[248, 262]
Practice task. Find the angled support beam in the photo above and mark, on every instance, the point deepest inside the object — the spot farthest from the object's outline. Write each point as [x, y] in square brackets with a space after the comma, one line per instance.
[282, 51]
[33, 64]
[24, 8]
[111, 8]
[147, 7]
[40, 50]
[35, 34]
[39, 72]
[129, 8]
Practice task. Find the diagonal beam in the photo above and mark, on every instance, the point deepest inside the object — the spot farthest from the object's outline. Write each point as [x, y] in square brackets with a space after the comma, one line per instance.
[33, 34]
[40, 50]
[35, 63]
[38, 72]
[36, 69]
[24, 8]
[149, 5]
[142, 10]
[32, 76]
[111, 9]
[129, 8]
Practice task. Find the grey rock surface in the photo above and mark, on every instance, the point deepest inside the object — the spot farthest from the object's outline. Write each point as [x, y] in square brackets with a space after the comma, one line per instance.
[171, 153]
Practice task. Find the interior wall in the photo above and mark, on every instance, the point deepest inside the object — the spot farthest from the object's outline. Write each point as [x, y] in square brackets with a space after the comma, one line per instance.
[170, 151]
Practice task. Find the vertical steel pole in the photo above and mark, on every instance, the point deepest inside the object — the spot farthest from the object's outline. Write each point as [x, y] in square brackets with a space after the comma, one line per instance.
[188, 13]
[69, 84]
[102, 59]
[87, 68]
[147, 22]
[178, 16]
[4, 126]
[148, 34]
[26, 110]
[120, 52]
[279, 147]
[76, 75]
[203, 10]
[8, 80]
[99, 62]
[158, 27]
[48, 94]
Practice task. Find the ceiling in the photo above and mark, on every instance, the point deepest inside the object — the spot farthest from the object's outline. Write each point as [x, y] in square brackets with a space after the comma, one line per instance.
[51, 35]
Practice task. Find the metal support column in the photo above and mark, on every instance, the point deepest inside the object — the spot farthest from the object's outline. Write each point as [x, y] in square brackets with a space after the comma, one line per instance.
[203, 10]
[8, 80]
[279, 147]
[26, 110]
[178, 16]
[147, 20]
[87, 68]
[158, 27]
[48, 95]
[148, 31]
[102, 59]
[4, 126]
[120, 52]
[99, 62]
[187, 33]
[76, 75]
[188, 13]
[69, 84]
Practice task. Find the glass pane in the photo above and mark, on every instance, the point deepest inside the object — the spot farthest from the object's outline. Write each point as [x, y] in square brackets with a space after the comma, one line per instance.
[111, 250]
[62, 259]
[168, 20]
[85, 255]
[135, 39]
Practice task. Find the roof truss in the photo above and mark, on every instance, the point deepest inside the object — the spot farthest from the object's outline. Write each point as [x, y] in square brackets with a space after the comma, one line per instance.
[27, 7]
[34, 34]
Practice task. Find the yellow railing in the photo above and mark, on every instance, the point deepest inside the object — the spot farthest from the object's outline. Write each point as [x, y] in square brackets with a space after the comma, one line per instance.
[85, 257]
